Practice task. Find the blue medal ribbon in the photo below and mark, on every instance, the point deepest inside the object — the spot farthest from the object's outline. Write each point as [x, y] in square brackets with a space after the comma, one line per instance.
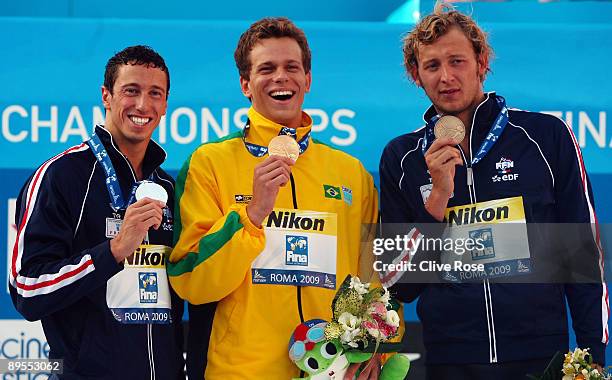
[496, 130]
[260, 151]
[112, 182]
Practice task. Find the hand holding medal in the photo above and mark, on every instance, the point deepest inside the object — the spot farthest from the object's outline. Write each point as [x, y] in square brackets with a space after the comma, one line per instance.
[270, 175]
[145, 213]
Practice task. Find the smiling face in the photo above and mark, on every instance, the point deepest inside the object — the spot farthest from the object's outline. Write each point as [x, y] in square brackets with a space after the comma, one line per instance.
[451, 74]
[135, 105]
[277, 81]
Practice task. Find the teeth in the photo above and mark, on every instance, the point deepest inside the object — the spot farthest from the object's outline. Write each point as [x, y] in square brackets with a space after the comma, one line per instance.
[281, 93]
[140, 120]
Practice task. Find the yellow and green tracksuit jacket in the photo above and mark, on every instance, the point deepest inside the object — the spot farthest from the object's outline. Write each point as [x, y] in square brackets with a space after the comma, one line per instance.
[217, 244]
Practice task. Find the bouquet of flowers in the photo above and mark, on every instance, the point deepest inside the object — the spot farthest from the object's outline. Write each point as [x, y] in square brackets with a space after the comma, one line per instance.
[576, 365]
[362, 316]
[579, 365]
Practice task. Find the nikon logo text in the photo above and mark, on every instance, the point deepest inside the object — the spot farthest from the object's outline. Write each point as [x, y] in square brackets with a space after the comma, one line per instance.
[144, 257]
[471, 215]
[287, 219]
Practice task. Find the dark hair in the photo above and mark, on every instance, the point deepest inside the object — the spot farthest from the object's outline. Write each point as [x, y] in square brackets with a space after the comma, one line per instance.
[269, 27]
[134, 55]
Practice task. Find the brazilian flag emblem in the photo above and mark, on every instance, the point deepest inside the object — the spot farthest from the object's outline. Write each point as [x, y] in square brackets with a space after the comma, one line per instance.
[332, 192]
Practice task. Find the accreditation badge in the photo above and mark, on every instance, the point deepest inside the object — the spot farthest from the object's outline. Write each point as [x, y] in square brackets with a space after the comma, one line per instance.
[301, 249]
[493, 234]
[140, 293]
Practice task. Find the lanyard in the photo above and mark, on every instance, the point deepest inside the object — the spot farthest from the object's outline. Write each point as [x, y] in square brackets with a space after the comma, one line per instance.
[496, 130]
[112, 182]
[259, 150]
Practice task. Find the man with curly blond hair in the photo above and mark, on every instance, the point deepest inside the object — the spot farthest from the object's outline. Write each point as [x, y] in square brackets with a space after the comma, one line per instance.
[526, 165]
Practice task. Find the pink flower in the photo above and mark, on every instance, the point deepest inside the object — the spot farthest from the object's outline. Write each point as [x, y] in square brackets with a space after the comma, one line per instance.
[378, 309]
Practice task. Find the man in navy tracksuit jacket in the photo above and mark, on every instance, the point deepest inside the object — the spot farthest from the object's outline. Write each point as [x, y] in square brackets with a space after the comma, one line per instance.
[107, 313]
[485, 329]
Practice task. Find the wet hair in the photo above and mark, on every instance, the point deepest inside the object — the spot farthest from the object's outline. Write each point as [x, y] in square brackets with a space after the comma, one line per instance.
[269, 27]
[437, 24]
[134, 55]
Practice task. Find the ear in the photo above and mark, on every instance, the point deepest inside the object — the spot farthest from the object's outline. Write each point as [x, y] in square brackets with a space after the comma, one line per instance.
[106, 97]
[308, 81]
[483, 66]
[244, 86]
[414, 73]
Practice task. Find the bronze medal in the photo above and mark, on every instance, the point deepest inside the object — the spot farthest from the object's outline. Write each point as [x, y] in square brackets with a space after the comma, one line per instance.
[450, 126]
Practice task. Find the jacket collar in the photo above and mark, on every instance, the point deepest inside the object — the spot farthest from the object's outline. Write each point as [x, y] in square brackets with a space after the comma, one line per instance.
[262, 130]
[154, 156]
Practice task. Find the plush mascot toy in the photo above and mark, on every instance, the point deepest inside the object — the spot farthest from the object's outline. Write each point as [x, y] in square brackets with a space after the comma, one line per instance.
[326, 360]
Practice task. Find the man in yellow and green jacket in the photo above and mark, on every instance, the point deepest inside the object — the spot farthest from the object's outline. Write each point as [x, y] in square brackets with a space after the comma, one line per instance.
[268, 238]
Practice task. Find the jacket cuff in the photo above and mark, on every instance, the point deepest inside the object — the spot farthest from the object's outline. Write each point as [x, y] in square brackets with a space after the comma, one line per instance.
[248, 225]
[428, 225]
[104, 261]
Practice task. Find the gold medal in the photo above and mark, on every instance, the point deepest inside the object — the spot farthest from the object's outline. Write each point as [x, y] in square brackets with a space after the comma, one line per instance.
[284, 146]
[450, 126]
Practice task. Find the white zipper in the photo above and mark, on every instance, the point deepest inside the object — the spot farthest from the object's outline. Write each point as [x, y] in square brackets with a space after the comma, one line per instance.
[150, 350]
[485, 284]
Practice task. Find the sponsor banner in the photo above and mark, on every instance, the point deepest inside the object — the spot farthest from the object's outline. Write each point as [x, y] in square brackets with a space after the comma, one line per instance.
[206, 103]
[142, 316]
[301, 248]
[20, 339]
[294, 277]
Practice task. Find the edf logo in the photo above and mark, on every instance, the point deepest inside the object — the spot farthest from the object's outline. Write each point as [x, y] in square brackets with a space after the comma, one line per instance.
[296, 250]
[147, 284]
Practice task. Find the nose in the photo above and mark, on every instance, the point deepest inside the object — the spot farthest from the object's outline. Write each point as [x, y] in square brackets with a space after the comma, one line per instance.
[281, 75]
[445, 73]
[141, 102]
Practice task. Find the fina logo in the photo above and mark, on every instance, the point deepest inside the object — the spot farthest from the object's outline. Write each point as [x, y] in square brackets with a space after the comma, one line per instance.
[296, 250]
[485, 236]
[148, 287]
[504, 169]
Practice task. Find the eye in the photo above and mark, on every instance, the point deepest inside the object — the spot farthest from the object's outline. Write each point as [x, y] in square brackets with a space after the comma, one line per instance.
[156, 93]
[130, 91]
[312, 364]
[329, 350]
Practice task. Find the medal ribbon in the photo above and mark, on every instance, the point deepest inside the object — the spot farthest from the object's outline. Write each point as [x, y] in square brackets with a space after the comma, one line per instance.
[259, 150]
[112, 182]
[496, 130]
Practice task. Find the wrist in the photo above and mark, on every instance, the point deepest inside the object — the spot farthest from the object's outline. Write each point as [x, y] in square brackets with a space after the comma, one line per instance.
[436, 204]
[116, 250]
[255, 215]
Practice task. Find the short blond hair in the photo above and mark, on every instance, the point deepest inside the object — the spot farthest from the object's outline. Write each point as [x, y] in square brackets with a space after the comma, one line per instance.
[437, 24]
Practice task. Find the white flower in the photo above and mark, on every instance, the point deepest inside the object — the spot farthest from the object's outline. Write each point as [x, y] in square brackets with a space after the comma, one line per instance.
[348, 321]
[392, 318]
[361, 288]
[385, 298]
[568, 377]
[348, 337]
[585, 372]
